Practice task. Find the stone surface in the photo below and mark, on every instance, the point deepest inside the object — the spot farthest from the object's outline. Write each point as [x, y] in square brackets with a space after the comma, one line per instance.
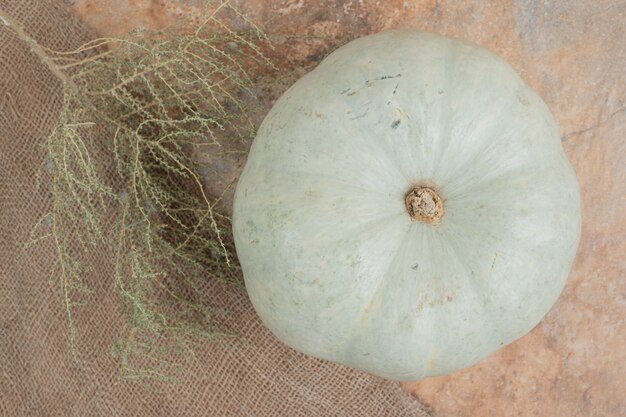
[573, 52]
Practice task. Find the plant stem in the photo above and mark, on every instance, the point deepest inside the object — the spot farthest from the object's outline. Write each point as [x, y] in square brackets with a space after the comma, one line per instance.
[37, 50]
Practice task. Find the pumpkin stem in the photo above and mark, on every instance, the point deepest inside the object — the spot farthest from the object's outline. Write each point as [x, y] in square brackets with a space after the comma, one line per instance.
[424, 204]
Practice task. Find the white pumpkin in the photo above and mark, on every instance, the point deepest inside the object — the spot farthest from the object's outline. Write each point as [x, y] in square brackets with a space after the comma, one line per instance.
[406, 208]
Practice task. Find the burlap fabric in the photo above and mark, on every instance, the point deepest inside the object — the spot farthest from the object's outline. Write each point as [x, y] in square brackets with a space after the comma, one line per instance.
[251, 375]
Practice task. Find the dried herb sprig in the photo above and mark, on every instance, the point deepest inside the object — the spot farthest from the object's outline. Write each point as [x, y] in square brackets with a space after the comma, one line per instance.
[122, 178]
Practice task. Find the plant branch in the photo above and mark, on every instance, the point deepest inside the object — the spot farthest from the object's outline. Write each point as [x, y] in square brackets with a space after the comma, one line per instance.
[37, 50]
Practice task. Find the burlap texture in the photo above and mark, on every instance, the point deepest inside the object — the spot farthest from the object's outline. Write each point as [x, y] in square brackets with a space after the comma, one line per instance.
[251, 375]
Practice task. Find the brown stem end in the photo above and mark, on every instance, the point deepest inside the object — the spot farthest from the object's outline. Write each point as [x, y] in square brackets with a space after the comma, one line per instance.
[424, 204]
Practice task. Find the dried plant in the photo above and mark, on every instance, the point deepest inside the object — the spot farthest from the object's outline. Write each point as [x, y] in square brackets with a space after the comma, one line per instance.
[122, 179]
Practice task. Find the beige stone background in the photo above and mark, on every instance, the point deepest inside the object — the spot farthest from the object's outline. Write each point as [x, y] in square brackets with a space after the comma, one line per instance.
[573, 52]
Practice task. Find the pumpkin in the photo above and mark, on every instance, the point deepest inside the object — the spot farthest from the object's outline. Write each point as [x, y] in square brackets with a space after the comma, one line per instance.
[406, 208]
